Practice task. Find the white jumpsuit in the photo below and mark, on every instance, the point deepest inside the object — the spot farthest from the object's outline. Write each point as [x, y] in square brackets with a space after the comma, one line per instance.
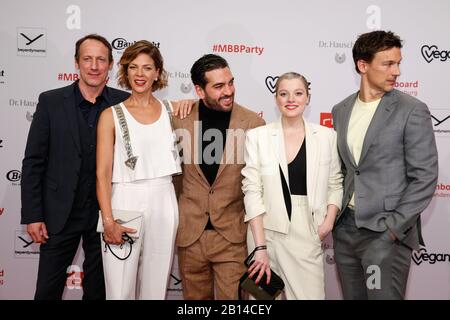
[149, 189]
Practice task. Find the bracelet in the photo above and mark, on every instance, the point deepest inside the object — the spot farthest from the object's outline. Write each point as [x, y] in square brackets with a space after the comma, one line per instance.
[264, 247]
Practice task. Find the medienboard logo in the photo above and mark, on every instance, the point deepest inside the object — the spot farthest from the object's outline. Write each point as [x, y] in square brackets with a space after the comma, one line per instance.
[442, 191]
[440, 118]
[423, 256]
[24, 247]
[31, 42]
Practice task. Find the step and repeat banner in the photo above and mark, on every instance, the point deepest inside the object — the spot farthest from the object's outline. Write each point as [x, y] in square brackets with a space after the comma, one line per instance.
[261, 40]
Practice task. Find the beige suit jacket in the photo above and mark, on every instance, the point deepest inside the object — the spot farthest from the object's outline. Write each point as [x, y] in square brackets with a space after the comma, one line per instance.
[223, 200]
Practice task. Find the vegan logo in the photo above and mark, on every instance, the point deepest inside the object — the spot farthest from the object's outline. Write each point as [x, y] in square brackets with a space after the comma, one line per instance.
[429, 53]
[271, 82]
[423, 256]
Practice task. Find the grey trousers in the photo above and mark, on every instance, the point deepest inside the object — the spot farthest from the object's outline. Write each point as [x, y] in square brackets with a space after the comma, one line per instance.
[370, 264]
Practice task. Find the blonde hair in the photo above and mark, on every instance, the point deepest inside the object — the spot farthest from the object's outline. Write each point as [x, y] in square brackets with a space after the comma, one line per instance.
[290, 76]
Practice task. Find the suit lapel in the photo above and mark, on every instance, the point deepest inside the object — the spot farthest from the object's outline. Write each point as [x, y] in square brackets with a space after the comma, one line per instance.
[344, 119]
[312, 161]
[379, 119]
[71, 114]
[195, 148]
[279, 149]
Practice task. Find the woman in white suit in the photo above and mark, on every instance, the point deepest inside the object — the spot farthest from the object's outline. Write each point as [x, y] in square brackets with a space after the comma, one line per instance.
[293, 191]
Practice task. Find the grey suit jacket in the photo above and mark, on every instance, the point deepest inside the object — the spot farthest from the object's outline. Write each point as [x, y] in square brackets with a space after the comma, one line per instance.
[396, 176]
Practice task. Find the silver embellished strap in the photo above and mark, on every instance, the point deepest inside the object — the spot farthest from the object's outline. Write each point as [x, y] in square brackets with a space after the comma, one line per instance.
[175, 151]
[131, 161]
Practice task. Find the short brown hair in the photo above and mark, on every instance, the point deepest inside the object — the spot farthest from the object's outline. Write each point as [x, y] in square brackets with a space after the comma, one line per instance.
[130, 53]
[289, 76]
[97, 37]
[368, 44]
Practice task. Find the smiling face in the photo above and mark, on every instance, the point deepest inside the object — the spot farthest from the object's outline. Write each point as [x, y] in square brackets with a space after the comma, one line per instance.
[142, 73]
[93, 63]
[291, 97]
[218, 93]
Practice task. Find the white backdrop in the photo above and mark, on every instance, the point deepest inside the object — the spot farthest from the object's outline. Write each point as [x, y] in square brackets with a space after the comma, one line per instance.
[260, 39]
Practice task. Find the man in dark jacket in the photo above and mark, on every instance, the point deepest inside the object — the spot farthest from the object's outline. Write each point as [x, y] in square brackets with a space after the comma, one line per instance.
[59, 203]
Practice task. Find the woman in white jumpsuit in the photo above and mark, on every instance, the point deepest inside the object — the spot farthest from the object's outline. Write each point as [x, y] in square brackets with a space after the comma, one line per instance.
[293, 191]
[147, 187]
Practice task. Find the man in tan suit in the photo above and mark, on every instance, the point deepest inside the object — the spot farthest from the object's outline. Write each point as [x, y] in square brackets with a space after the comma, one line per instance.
[211, 235]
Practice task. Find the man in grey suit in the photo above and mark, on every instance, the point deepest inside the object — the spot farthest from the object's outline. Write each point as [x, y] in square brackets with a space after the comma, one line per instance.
[390, 163]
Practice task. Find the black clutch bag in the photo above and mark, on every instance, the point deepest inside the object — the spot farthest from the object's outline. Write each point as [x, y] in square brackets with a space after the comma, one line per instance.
[262, 290]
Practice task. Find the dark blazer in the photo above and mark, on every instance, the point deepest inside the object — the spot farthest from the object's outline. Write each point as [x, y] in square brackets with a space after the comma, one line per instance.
[52, 159]
[397, 173]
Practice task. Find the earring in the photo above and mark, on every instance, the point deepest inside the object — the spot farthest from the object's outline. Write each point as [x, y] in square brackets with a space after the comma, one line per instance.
[156, 79]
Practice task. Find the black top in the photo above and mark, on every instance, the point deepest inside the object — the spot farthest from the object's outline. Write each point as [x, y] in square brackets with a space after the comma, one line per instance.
[297, 172]
[90, 111]
[216, 120]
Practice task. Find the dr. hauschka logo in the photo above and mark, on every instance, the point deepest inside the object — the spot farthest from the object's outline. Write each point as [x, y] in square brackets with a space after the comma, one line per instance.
[442, 191]
[22, 103]
[2, 76]
[326, 119]
[74, 277]
[408, 87]
[14, 176]
[31, 42]
[185, 86]
[339, 58]
[423, 256]
[29, 116]
[24, 247]
[2, 276]
[121, 43]
[432, 52]
[67, 76]
[440, 119]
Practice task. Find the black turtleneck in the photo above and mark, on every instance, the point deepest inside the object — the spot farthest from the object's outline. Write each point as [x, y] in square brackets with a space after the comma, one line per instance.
[212, 119]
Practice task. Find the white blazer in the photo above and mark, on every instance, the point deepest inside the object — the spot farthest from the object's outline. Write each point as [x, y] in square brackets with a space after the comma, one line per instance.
[265, 152]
